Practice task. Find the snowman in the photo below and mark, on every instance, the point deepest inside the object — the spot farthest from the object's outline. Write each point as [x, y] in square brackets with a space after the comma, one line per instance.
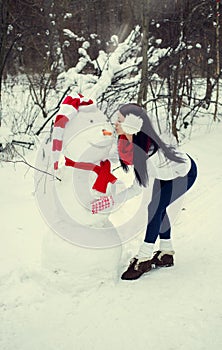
[78, 207]
[82, 140]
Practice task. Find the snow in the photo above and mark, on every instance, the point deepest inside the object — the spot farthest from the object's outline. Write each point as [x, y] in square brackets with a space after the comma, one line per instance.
[68, 15]
[158, 41]
[114, 39]
[55, 295]
[86, 45]
[93, 35]
[157, 55]
[72, 35]
[66, 43]
[69, 33]
[210, 60]
[5, 135]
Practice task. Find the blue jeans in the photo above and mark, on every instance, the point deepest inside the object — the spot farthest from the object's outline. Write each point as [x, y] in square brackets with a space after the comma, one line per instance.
[164, 193]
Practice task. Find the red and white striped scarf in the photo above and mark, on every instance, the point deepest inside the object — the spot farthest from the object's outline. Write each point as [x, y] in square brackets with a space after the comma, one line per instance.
[68, 110]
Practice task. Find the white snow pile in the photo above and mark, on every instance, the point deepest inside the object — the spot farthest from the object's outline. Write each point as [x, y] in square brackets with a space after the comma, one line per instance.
[5, 135]
[51, 298]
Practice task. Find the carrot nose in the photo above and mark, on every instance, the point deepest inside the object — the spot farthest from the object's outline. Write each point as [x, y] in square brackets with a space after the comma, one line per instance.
[106, 132]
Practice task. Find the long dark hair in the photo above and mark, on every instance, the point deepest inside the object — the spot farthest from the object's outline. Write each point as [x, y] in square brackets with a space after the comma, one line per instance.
[141, 139]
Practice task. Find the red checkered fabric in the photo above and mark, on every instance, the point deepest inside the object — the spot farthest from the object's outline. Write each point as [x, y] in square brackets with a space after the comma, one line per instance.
[101, 204]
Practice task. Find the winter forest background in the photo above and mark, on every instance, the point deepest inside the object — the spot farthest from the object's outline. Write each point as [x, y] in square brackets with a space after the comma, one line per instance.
[165, 55]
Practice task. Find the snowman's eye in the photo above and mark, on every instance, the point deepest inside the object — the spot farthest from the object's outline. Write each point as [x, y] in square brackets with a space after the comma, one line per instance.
[91, 121]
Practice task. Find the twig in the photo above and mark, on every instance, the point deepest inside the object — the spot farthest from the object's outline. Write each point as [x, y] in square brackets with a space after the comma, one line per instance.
[23, 144]
[31, 166]
[52, 115]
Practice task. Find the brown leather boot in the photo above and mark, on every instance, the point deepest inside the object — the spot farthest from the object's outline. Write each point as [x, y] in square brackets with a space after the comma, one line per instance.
[163, 258]
[136, 269]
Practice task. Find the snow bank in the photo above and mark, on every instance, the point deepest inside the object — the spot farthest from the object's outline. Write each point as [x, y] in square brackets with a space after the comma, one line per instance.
[89, 307]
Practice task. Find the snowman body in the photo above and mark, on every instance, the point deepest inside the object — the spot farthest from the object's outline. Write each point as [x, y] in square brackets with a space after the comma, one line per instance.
[84, 141]
[76, 240]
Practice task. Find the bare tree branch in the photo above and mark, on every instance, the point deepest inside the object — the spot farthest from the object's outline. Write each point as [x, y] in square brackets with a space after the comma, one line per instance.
[24, 161]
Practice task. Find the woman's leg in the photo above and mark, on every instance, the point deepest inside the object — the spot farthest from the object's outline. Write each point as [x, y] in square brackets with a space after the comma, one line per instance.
[164, 193]
[180, 186]
[165, 228]
[161, 198]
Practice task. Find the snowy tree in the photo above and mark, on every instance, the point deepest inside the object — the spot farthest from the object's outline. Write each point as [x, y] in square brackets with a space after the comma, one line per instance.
[61, 47]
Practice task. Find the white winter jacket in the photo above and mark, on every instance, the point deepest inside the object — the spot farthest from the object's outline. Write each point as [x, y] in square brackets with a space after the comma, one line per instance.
[159, 167]
[162, 168]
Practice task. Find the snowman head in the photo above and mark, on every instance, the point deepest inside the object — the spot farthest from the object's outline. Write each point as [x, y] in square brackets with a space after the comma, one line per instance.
[81, 130]
[89, 136]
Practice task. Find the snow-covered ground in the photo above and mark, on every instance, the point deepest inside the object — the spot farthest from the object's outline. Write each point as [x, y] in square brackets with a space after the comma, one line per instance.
[88, 306]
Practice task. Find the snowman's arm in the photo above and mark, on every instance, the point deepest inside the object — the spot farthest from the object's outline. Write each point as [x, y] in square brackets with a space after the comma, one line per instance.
[128, 193]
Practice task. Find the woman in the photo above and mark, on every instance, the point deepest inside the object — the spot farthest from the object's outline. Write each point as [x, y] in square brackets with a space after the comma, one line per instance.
[174, 172]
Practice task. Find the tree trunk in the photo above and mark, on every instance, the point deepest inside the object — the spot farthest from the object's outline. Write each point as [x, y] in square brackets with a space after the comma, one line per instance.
[3, 42]
[175, 103]
[142, 95]
[217, 57]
